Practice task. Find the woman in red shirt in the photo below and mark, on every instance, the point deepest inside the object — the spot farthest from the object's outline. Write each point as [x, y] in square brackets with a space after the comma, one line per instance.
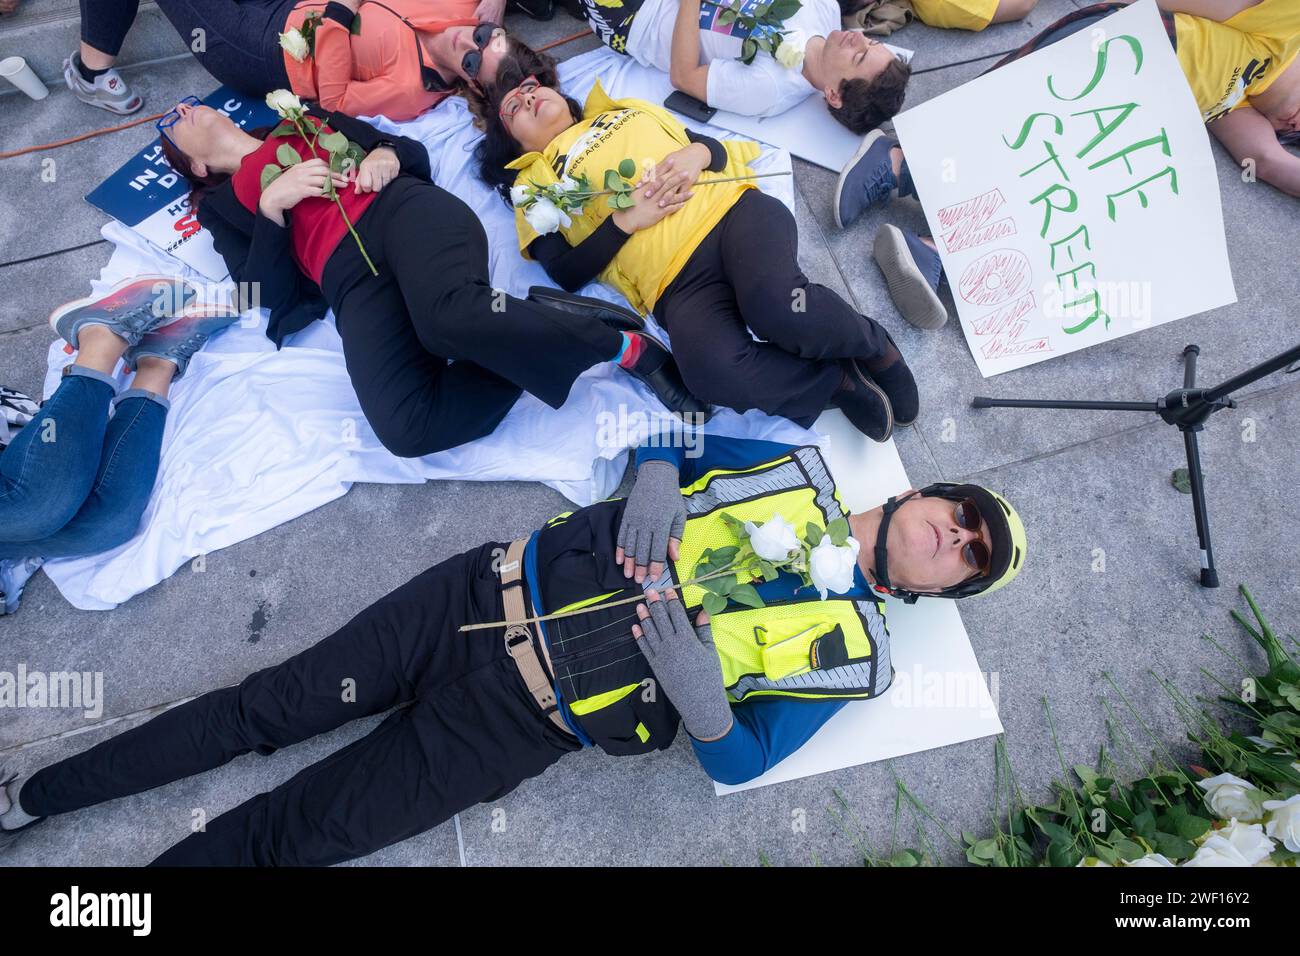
[436, 355]
[395, 58]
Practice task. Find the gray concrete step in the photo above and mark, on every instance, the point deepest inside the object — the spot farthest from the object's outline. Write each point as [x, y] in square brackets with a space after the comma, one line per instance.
[44, 32]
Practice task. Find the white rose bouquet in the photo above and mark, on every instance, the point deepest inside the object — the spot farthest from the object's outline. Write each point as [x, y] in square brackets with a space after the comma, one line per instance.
[552, 207]
[824, 558]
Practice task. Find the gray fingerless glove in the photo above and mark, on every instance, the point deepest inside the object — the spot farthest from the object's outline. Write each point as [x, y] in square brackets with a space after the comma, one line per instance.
[686, 666]
[654, 513]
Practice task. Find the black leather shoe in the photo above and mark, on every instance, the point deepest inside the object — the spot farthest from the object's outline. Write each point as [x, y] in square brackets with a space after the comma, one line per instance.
[864, 403]
[615, 316]
[657, 369]
[897, 382]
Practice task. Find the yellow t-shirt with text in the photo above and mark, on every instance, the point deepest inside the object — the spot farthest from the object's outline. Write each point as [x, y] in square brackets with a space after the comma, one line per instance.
[610, 132]
[1227, 63]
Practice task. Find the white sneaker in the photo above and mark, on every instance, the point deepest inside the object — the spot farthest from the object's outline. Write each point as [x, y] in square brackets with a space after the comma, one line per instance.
[108, 92]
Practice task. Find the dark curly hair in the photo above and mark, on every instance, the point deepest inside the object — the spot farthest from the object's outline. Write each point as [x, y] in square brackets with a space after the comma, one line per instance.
[498, 146]
[865, 104]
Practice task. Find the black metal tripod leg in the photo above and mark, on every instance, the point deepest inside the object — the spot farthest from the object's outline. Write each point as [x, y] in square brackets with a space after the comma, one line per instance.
[1189, 365]
[1209, 576]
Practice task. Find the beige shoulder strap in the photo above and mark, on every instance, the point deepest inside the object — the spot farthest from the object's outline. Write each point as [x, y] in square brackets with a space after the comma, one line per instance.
[520, 644]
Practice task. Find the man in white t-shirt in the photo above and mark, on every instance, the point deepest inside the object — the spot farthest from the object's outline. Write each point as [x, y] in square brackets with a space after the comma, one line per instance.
[701, 49]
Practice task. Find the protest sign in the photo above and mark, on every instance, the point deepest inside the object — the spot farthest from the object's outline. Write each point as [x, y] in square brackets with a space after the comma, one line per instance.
[149, 196]
[1072, 194]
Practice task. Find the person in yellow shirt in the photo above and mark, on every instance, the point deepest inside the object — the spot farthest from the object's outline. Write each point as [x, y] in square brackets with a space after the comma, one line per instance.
[714, 263]
[970, 14]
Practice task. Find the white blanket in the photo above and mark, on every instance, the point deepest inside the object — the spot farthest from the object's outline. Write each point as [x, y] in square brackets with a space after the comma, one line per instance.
[258, 437]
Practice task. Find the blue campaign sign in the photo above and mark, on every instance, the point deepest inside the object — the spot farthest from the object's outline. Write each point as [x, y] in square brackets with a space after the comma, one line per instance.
[153, 199]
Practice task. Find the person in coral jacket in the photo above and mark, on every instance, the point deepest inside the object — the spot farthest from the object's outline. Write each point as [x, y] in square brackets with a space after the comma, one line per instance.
[395, 58]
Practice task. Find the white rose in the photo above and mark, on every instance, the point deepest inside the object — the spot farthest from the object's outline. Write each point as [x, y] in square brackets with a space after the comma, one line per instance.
[568, 185]
[519, 195]
[1091, 861]
[284, 103]
[1283, 821]
[546, 217]
[831, 567]
[294, 44]
[790, 51]
[1230, 797]
[1151, 859]
[773, 540]
[1237, 844]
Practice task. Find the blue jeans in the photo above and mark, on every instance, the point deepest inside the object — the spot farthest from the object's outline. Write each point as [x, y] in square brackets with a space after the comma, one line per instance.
[74, 481]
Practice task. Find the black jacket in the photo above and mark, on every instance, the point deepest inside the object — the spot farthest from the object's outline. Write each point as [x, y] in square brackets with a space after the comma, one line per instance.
[256, 250]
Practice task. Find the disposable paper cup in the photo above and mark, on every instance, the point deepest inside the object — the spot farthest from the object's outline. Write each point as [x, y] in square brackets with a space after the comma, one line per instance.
[16, 71]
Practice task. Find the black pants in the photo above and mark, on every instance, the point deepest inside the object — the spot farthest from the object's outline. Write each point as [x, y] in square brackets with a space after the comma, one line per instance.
[240, 43]
[470, 733]
[432, 302]
[745, 277]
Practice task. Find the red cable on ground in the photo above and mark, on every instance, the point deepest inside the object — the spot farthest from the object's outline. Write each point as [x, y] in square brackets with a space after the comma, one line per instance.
[149, 119]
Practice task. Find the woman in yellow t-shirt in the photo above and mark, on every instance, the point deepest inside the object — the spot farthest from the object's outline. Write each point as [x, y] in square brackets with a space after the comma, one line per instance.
[714, 263]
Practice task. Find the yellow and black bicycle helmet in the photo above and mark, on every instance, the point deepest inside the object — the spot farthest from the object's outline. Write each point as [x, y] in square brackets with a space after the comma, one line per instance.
[1006, 534]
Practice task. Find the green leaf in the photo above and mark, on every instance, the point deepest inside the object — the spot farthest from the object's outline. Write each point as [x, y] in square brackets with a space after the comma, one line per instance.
[336, 162]
[724, 556]
[714, 603]
[746, 595]
[283, 130]
[270, 172]
[287, 155]
[782, 10]
[1176, 848]
[333, 142]
[719, 586]
[627, 169]
[726, 18]
[1128, 850]
[356, 154]
[612, 179]
[355, 29]
[1181, 480]
[733, 523]
[748, 50]
[839, 532]
[768, 570]
[813, 534]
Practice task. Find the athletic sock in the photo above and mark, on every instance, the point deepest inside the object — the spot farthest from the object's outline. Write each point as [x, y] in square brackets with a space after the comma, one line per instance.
[86, 72]
[633, 346]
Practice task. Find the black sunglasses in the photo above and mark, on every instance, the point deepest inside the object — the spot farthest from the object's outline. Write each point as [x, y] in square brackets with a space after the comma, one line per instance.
[976, 553]
[471, 63]
[172, 117]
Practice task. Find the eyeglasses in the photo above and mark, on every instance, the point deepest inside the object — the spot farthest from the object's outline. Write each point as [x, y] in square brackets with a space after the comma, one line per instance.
[513, 100]
[472, 61]
[976, 554]
[172, 117]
